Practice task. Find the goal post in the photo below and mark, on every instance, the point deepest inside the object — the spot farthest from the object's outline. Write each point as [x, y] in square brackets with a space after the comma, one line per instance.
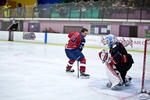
[146, 68]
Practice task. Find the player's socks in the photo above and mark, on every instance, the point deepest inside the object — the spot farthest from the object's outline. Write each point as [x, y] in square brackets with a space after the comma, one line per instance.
[69, 69]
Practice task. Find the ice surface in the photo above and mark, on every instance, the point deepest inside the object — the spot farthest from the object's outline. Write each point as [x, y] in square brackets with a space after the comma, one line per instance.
[37, 72]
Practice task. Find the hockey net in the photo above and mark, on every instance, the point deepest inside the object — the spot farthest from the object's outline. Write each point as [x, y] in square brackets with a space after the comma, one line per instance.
[146, 68]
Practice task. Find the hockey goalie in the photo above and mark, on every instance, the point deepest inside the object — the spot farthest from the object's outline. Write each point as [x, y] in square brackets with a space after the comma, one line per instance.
[117, 62]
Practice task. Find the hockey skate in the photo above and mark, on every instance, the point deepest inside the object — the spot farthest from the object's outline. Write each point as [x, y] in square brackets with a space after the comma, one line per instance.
[83, 75]
[70, 70]
[109, 84]
[128, 80]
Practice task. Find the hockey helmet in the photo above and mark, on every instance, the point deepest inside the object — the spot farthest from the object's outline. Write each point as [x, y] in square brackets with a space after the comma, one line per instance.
[109, 39]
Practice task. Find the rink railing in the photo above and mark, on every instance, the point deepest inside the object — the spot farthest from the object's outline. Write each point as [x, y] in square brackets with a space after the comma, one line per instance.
[105, 9]
[92, 41]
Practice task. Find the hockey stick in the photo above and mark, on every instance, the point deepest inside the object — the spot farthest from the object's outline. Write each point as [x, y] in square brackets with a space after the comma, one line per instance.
[78, 69]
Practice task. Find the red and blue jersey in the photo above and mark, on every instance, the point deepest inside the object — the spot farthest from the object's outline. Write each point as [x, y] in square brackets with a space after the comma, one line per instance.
[76, 41]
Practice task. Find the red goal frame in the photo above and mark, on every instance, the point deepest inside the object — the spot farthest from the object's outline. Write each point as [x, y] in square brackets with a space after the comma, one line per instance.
[144, 66]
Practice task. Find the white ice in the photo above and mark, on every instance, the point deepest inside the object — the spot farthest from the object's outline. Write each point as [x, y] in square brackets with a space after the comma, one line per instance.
[37, 72]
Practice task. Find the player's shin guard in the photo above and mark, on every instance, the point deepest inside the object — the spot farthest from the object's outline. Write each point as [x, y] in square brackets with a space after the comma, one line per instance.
[69, 66]
[83, 68]
[82, 65]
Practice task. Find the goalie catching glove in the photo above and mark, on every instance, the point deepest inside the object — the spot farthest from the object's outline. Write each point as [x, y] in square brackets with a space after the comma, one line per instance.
[106, 57]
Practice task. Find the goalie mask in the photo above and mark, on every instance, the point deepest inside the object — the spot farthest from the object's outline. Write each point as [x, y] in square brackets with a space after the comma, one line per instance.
[109, 39]
[104, 56]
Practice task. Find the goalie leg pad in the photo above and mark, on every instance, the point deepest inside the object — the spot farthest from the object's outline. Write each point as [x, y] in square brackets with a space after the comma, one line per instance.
[114, 76]
[117, 86]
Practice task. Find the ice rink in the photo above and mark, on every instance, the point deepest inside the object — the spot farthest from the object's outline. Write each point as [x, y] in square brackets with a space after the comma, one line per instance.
[37, 72]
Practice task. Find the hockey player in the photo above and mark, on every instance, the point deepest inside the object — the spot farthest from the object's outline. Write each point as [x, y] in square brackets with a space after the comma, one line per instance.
[118, 62]
[74, 51]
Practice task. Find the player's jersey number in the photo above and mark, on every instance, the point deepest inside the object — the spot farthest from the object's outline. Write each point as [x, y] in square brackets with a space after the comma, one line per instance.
[74, 38]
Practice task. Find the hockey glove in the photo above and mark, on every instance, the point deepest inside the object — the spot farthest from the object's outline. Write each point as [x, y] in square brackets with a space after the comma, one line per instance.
[105, 56]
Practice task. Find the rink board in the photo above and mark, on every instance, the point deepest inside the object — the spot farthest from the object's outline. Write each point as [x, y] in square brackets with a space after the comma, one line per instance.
[136, 44]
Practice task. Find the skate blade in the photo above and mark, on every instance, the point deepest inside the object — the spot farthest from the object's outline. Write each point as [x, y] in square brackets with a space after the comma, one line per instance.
[69, 72]
[84, 77]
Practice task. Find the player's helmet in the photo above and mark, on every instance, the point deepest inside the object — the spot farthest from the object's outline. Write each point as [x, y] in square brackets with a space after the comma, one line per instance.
[109, 39]
[104, 55]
